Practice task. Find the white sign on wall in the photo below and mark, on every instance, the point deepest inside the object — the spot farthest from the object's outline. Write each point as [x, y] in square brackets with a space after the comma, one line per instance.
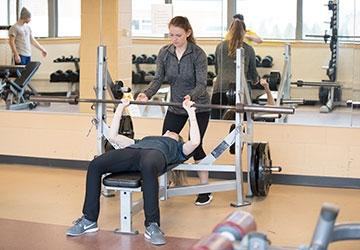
[161, 15]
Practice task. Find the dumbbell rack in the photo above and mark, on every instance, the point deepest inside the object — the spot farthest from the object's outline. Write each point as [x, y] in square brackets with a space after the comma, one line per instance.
[142, 77]
[70, 83]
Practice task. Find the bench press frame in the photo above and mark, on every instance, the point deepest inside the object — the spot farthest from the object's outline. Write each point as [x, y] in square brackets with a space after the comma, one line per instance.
[242, 135]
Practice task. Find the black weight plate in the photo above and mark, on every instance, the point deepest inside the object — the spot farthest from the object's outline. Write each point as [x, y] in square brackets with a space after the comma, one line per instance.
[264, 171]
[253, 169]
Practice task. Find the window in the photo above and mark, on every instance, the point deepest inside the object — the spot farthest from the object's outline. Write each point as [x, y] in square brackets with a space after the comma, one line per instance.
[268, 18]
[39, 16]
[317, 16]
[349, 19]
[207, 18]
[3, 17]
[69, 18]
[7, 18]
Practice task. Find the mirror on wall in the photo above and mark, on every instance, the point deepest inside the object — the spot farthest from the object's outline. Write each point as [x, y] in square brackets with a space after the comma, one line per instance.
[312, 50]
[55, 27]
[319, 60]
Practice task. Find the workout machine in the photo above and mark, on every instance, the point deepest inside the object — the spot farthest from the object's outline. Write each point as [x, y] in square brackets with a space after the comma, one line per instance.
[127, 183]
[15, 88]
[238, 232]
[329, 90]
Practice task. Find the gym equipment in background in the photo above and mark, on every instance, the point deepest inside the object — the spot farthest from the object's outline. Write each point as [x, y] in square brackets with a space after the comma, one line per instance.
[15, 88]
[70, 77]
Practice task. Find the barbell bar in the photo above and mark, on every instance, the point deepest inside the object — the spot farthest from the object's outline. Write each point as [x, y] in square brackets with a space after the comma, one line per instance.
[301, 83]
[240, 108]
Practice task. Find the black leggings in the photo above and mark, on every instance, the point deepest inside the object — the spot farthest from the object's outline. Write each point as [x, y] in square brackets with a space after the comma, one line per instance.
[151, 163]
[175, 123]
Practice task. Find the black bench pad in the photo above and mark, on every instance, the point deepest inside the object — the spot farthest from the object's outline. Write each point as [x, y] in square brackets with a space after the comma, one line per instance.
[126, 179]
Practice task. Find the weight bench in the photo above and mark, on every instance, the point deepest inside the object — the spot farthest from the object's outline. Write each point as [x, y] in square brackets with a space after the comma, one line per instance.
[127, 183]
[14, 92]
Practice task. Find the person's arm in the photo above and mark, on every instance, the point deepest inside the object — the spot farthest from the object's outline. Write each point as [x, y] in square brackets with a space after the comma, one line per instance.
[252, 36]
[13, 49]
[194, 141]
[200, 75]
[270, 98]
[155, 84]
[38, 46]
[114, 137]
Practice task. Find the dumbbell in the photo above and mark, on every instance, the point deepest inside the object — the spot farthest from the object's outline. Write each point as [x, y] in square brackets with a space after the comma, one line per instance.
[210, 77]
[137, 77]
[267, 62]
[56, 76]
[72, 76]
[69, 58]
[258, 61]
[141, 59]
[151, 59]
[211, 59]
[60, 59]
[274, 79]
[117, 89]
[234, 228]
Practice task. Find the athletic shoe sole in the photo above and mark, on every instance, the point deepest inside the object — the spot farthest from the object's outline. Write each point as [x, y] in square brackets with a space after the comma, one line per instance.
[147, 237]
[204, 203]
[92, 230]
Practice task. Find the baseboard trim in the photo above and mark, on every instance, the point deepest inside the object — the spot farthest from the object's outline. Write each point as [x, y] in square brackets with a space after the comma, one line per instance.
[300, 180]
[45, 162]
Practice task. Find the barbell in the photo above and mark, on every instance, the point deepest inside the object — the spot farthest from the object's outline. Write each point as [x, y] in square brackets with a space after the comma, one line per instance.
[239, 108]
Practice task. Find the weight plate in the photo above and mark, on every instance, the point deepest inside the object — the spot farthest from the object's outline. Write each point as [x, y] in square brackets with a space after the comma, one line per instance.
[264, 169]
[253, 169]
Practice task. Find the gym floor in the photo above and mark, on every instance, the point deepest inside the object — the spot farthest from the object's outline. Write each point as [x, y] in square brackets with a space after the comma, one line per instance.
[38, 204]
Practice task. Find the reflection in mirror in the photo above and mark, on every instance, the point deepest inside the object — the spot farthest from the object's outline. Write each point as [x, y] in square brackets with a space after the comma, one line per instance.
[355, 121]
[305, 63]
[57, 72]
[206, 21]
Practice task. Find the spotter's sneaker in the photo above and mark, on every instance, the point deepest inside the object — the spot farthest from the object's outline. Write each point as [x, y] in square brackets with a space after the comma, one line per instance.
[82, 226]
[203, 199]
[154, 234]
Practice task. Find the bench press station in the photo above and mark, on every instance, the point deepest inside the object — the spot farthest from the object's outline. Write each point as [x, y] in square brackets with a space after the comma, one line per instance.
[127, 183]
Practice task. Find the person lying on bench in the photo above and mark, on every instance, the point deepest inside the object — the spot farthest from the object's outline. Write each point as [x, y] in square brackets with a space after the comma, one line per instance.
[151, 156]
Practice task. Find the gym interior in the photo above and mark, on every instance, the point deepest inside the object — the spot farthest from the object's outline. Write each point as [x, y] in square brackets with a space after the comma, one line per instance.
[46, 146]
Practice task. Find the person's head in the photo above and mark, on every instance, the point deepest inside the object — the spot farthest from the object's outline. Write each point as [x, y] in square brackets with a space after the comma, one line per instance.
[173, 135]
[241, 18]
[180, 31]
[25, 15]
[235, 36]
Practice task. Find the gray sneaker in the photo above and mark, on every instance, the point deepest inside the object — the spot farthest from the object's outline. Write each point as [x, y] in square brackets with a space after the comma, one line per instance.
[82, 226]
[154, 234]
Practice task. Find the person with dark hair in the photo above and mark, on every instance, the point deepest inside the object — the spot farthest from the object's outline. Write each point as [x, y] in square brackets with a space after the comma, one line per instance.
[183, 65]
[250, 36]
[152, 156]
[225, 67]
[21, 39]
